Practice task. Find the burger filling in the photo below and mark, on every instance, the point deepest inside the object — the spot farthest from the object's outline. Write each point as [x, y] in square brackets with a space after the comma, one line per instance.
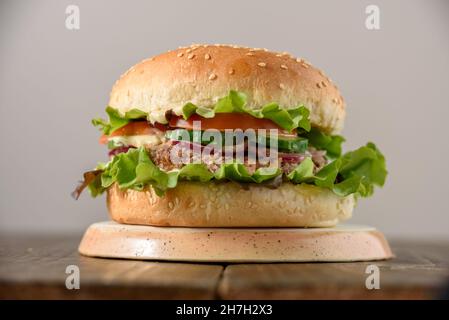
[145, 153]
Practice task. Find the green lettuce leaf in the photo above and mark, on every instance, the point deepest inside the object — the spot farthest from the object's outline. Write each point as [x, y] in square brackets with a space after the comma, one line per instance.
[365, 167]
[238, 172]
[322, 141]
[326, 176]
[234, 102]
[116, 121]
[356, 172]
[195, 172]
[135, 170]
[350, 186]
[303, 172]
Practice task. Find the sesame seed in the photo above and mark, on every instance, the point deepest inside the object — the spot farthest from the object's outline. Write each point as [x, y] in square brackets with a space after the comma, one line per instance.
[250, 54]
[318, 85]
[180, 54]
[299, 60]
[323, 84]
[305, 65]
[279, 55]
[207, 56]
[334, 100]
[282, 86]
[191, 56]
[212, 76]
[189, 50]
[232, 71]
[283, 66]
[262, 64]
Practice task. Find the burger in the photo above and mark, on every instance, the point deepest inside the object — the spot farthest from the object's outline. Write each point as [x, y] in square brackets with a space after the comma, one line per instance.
[188, 101]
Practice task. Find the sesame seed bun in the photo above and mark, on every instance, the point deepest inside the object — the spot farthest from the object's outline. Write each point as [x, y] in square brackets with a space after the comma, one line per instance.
[218, 204]
[202, 74]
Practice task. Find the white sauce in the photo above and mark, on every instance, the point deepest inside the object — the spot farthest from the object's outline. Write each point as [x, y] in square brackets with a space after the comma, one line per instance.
[139, 140]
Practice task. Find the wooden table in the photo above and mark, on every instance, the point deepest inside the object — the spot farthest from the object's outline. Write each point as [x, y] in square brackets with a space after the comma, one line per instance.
[34, 267]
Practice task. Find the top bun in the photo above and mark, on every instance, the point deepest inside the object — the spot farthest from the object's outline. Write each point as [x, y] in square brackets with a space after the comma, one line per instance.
[202, 74]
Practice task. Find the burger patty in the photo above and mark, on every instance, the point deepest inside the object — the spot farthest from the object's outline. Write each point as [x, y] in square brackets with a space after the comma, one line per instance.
[161, 156]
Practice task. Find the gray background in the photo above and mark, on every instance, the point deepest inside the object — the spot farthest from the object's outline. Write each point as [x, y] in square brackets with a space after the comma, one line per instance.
[53, 81]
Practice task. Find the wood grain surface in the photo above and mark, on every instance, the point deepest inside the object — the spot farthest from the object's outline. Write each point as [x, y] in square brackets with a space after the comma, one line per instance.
[34, 267]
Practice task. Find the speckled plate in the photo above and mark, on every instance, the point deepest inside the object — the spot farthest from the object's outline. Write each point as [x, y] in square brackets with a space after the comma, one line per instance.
[342, 243]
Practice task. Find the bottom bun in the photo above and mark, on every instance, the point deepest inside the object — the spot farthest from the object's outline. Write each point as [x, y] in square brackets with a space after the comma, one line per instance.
[227, 204]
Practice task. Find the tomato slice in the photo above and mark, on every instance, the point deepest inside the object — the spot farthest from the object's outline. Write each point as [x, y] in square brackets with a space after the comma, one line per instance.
[135, 128]
[223, 121]
[103, 139]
